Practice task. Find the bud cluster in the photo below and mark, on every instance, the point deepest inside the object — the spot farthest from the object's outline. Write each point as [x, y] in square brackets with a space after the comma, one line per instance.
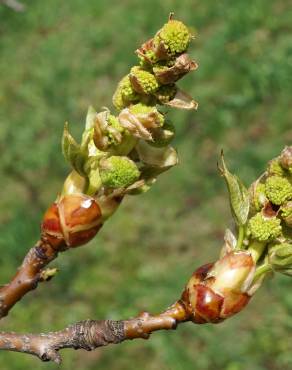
[122, 153]
[263, 216]
[271, 200]
[218, 291]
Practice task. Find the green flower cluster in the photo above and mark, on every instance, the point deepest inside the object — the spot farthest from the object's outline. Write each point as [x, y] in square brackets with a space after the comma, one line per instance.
[278, 189]
[175, 37]
[263, 216]
[118, 172]
[271, 201]
[124, 153]
[157, 56]
[166, 93]
[124, 94]
[143, 82]
[274, 168]
[274, 187]
[263, 228]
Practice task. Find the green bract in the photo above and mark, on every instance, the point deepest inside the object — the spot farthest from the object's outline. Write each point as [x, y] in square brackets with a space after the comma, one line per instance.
[118, 172]
[263, 228]
[175, 36]
[278, 189]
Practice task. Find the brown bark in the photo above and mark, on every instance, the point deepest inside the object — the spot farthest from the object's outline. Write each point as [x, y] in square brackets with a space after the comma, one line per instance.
[27, 277]
[87, 335]
[91, 334]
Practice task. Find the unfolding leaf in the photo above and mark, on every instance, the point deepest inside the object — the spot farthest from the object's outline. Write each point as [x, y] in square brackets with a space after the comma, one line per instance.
[238, 195]
[72, 151]
[90, 118]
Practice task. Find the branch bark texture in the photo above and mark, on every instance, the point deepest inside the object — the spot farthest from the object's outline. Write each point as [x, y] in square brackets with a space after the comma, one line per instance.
[91, 334]
[27, 277]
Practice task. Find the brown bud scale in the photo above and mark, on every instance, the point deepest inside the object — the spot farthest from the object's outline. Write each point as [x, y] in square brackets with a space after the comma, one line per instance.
[72, 221]
[218, 291]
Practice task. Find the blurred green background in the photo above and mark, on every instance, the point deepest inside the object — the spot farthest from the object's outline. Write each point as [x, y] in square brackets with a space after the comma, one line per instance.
[58, 57]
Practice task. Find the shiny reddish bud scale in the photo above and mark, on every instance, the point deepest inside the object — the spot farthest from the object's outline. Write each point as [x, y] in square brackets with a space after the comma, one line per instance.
[72, 221]
[218, 291]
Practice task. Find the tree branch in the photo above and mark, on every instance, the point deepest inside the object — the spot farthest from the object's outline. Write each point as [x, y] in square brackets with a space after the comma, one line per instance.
[91, 334]
[27, 277]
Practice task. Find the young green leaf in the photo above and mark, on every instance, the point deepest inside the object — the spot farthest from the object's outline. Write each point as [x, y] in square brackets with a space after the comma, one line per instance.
[72, 152]
[238, 194]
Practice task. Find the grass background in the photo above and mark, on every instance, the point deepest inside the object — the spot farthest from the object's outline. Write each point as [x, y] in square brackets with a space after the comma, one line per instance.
[59, 57]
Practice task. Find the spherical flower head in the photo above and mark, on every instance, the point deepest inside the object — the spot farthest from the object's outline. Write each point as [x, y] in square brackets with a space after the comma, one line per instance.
[175, 37]
[143, 109]
[118, 172]
[264, 229]
[142, 81]
[278, 189]
[274, 168]
[127, 89]
[166, 93]
[124, 94]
